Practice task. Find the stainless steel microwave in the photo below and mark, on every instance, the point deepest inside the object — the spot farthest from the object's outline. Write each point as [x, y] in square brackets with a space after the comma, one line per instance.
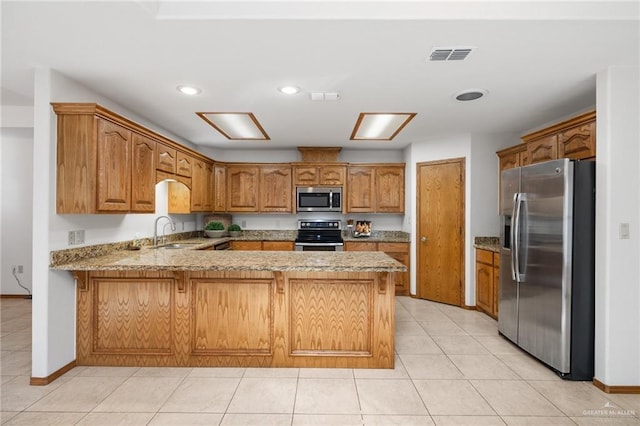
[319, 199]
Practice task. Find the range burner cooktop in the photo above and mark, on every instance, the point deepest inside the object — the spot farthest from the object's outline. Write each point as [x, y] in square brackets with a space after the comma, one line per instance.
[319, 231]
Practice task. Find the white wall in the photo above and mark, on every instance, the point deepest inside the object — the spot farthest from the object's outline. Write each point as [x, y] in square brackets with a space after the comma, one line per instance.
[16, 176]
[617, 355]
[53, 334]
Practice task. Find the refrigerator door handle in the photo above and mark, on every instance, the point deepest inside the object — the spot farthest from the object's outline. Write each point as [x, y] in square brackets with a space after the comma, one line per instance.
[512, 237]
[517, 243]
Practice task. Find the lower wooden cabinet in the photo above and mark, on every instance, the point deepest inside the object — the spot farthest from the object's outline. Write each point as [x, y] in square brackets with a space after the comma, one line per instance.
[399, 251]
[487, 276]
[262, 245]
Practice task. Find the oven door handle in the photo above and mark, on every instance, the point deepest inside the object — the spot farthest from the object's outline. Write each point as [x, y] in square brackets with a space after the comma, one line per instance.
[319, 244]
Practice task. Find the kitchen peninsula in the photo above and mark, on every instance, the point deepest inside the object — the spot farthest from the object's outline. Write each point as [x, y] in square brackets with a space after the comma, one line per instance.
[161, 307]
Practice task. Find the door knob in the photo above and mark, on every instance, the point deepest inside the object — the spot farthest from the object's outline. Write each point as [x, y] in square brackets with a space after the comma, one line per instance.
[423, 239]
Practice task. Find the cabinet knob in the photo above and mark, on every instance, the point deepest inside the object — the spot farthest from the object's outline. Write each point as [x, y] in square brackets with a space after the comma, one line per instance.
[423, 239]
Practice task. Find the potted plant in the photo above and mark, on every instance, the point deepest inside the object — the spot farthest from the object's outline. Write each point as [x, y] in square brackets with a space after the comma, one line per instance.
[234, 230]
[214, 229]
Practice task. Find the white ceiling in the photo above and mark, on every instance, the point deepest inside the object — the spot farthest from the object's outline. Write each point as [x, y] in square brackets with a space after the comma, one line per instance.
[536, 59]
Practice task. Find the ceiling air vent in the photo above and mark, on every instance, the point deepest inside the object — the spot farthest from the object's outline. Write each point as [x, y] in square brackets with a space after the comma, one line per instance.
[449, 54]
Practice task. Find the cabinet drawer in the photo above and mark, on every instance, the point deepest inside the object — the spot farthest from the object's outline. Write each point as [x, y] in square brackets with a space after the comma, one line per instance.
[360, 246]
[394, 247]
[484, 256]
[278, 245]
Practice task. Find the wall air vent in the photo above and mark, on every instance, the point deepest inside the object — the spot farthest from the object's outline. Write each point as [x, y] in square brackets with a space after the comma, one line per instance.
[440, 54]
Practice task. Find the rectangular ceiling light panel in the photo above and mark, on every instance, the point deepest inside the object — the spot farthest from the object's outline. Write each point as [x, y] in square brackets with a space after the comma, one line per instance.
[380, 125]
[235, 125]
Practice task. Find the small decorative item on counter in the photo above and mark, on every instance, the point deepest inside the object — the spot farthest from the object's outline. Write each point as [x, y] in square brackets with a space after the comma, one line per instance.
[234, 230]
[362, 228]
[135, 244]
[214, 229]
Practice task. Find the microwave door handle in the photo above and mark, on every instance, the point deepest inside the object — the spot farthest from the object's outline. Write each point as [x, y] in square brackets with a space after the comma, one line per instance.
[330, 199]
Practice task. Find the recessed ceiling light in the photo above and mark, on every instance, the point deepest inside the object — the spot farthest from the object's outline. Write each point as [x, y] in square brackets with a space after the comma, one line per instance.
[289, 90]
[380, 125]
[470, 95]
[188, 90]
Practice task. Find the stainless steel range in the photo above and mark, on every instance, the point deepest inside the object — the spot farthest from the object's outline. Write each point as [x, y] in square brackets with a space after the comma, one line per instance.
[319, 235]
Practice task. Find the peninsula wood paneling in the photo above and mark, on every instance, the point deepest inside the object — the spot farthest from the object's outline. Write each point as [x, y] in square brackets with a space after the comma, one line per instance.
[235, 319]
[133, 316]
[330, 318]
[232, 317]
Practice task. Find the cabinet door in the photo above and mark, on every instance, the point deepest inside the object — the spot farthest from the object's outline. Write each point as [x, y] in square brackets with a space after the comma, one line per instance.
[578, 142]
[544, 149]
[220, 188]
[305, 175]
[246, 245]
[278, 245]
[509, 161]
[332, 175]
[360, 189]
[400, 252]
[207, 201]
[114, 167]
[242, 188]
[484, 280]
[496, 282]
[184, 164]
[198, 186]
[275, 189]
[143, 175]
[165, 158]
[389, 187]
[179, 198]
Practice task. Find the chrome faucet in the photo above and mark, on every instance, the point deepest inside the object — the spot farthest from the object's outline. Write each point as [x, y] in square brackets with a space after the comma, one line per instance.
[155, 228]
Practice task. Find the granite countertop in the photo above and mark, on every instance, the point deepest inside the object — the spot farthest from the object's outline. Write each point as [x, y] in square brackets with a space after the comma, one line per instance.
[381, 237]
[228, 260]
[487, 243]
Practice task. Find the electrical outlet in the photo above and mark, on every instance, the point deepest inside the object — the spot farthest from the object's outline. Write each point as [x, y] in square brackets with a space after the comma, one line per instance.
[18, 269]
[244, 224]
[72, 237]
[80, 237]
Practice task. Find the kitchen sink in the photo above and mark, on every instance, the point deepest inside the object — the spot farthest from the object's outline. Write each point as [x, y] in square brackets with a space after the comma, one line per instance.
[176, 246]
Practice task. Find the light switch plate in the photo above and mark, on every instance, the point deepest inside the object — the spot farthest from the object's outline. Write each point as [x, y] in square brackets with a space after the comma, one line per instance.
[624, 231]
[72, 237]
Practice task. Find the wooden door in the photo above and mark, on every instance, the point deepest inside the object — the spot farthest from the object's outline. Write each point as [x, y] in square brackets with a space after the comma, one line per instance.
[114, 167]
[143, 175]
[440, 231]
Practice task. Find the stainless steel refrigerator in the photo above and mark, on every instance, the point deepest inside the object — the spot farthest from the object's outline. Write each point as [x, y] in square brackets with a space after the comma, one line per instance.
[547, 271]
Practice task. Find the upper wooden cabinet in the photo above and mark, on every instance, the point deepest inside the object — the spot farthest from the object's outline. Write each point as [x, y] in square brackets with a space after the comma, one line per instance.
[184, 164]
[578, 141]
[107, 163]
[259, 188]
[202, 186]
[165, 158]
[114, 167]
[319, 174]
[102, 165]
[375, 188]
[219, 187]
[574, 138]
[543, 149]
[242, 187]
[143, 173]
[275, 188]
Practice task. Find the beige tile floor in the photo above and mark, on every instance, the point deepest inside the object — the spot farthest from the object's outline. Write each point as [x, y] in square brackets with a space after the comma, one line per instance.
[452, 368]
